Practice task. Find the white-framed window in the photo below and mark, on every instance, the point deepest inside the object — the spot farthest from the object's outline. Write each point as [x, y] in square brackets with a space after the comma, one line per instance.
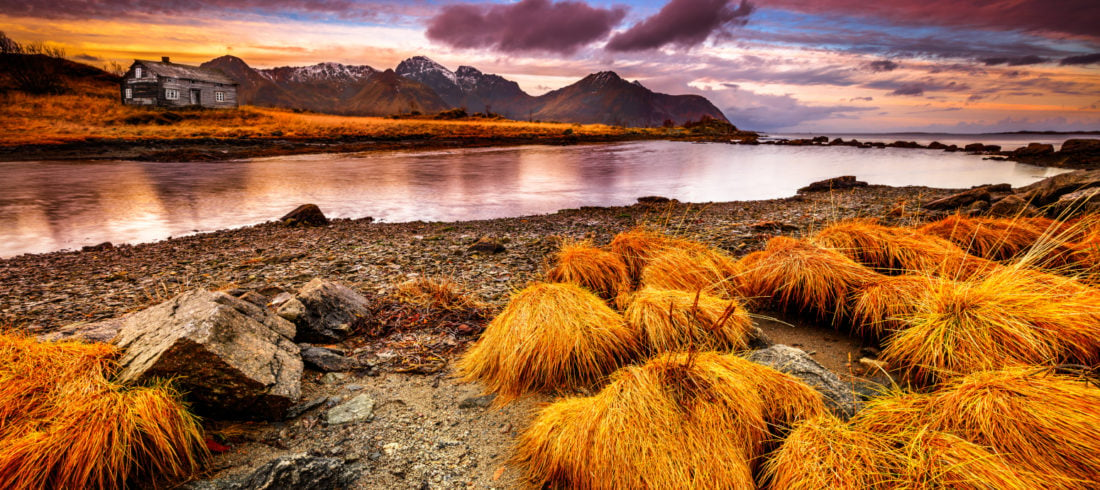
[219, 96]
[171, 94]
[129, 93]
[137, 72]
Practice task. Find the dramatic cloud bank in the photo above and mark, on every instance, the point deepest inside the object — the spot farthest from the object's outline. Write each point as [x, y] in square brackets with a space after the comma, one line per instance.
[105, 9]
[1076, 17]
[530, 25]
[683, 23]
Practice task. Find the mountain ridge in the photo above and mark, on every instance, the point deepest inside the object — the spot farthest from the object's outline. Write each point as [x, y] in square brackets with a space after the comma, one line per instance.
[419, 84]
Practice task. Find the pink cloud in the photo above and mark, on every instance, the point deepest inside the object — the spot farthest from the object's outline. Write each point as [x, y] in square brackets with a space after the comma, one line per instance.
[530, 25]
[683, 23]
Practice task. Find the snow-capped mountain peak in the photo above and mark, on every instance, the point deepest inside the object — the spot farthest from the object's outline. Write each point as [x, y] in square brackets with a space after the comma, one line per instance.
[321, 72]
[422, 67]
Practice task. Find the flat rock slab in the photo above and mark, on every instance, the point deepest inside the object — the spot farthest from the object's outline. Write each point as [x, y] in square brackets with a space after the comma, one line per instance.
[232, 358]
[838, 396]
[835, 183]
[358, 409]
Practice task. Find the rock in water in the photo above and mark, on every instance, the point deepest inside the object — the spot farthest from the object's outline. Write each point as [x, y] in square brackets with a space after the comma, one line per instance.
[325, 311]
[305, 215]
[835, 183]
[294, 472]
[232, 358]
[838, 396]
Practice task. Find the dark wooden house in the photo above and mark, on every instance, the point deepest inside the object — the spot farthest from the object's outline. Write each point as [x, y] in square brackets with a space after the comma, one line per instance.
[166, 84]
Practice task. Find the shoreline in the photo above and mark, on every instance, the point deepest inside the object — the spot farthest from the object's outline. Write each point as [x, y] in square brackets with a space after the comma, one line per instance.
[227, 149]
[53, 289]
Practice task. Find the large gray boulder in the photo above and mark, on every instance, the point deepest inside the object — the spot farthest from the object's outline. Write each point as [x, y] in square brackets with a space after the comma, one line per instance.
[838, 396]
[325, 311]
[232, 358]
[1049, 190]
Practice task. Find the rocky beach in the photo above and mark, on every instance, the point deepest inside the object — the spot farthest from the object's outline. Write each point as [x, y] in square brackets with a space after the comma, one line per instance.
[417, 427]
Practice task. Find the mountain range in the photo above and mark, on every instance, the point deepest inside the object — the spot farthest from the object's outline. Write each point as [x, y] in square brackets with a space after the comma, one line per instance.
[421, 85]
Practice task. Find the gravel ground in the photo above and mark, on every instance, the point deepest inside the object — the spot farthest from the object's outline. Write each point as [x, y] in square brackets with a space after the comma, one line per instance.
[428, 430]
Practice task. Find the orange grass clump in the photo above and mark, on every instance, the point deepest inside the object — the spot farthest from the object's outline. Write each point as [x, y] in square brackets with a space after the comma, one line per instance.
[891, 447]
[686, 420]
[931, 459]
[878, 306]
[692, 270]
[437, 293]
[1042, 422]
[800, 276]
[993, 238]
[826, 453]
[900, 250]
[64, 425]
[1006, 319]
[599, 271]
[637, 246]
[550, 337]
[671, 321]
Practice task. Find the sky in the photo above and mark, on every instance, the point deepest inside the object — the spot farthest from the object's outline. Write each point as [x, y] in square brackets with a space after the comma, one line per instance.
[832, 66]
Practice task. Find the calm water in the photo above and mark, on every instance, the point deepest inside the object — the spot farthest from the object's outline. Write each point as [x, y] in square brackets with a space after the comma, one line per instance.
[46, 206]
[1007, 141]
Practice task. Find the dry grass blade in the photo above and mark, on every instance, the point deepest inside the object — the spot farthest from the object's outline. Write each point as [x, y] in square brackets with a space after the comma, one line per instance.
[671, 321]
[687, 420]
[550, 337]
[599, 271]
[799, 276]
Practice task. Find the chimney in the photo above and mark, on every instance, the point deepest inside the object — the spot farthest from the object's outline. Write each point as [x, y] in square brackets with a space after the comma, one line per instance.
[164, 59]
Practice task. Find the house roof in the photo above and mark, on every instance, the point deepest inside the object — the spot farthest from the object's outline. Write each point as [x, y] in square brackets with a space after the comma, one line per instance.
[176, 70]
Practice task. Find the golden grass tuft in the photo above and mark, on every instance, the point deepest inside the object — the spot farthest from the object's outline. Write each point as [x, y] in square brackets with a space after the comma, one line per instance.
[1012, 317]
[637, 246]
[672, 321]
[550, 337]
[991, 238]
[895, 450]
[826, 453]
[599, 271]
[895, 250]
[686, 420]
[437, 293]
[931, 459]
[64, 425]
[1042, 422]
[800, 276]
[693, 270]
[877, 307]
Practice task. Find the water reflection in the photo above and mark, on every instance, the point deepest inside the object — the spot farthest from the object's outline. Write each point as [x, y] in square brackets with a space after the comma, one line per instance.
[47, 206]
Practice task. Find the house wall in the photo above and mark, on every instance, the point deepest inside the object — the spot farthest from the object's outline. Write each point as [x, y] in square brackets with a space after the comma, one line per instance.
[151, 89]
[206, 93]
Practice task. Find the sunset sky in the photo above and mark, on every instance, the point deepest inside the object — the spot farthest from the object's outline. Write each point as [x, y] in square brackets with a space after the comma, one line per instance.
[773, 65]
